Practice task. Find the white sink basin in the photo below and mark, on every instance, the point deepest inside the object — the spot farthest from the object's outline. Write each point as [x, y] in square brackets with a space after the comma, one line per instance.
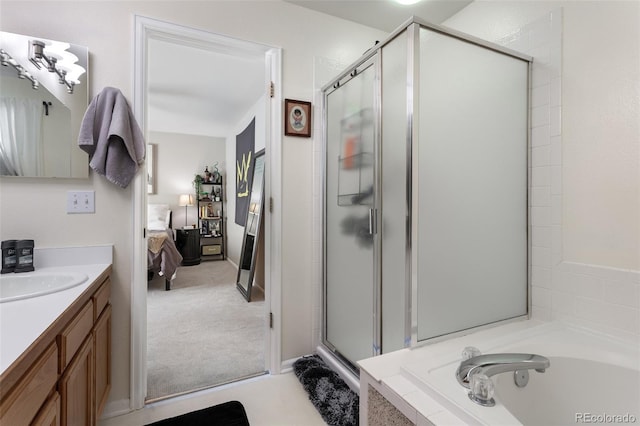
[33, 284]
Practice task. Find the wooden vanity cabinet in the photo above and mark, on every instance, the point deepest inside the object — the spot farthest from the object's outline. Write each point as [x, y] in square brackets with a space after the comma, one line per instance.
[49, 414]
[69, 381]
[102, 364]
[22, 404]
[76, 389]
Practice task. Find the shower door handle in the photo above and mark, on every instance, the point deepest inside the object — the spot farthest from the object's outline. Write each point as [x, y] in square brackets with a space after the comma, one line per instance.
[372, 221]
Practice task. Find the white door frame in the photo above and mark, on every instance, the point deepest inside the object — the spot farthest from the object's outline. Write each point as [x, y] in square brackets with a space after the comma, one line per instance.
[146, 28]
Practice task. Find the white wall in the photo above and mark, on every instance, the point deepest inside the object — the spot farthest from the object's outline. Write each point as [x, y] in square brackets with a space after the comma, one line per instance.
[179, 158]
[585, 200]
[106, 28]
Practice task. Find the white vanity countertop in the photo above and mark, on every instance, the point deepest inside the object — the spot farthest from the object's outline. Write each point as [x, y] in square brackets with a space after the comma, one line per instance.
[23, 321]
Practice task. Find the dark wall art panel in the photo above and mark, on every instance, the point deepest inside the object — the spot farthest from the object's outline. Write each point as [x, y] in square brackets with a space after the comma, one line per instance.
[245, 144]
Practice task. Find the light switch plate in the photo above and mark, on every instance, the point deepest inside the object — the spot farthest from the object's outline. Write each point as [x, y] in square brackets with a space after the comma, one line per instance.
[81, 202]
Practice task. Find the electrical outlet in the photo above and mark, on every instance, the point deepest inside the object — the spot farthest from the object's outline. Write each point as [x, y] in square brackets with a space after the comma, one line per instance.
[81, 202]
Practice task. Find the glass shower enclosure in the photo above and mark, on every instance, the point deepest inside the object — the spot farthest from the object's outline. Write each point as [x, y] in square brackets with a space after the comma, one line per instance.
[425, 192]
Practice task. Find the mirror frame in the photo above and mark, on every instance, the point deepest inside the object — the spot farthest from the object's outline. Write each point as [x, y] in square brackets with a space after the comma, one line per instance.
[245, 288]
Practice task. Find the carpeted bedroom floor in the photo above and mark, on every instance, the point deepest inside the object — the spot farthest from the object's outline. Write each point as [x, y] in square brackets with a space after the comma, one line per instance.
[202, 332]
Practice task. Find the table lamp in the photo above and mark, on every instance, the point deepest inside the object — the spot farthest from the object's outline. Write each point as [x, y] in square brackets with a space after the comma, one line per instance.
[185, 201]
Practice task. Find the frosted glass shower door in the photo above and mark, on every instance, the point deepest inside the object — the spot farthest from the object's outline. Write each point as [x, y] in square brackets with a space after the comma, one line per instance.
[472, 186]
[349, 199]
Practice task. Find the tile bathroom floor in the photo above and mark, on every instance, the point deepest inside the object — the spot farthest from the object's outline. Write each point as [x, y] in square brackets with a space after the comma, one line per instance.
[277, 400]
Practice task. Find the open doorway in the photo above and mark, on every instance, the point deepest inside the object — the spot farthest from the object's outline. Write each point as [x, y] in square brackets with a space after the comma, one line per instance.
[192, 330]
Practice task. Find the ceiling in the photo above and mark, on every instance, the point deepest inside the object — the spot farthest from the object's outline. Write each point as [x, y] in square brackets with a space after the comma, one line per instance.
[193, 89]
[385, 15]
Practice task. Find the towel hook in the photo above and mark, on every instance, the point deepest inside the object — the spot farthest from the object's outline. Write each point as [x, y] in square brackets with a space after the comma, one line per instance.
[46, 107]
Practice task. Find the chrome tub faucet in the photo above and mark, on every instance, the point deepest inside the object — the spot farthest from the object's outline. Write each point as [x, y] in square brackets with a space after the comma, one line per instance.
[475, 370]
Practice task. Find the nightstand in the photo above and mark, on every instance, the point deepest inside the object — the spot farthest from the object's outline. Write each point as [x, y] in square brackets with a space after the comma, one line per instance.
[188, 243]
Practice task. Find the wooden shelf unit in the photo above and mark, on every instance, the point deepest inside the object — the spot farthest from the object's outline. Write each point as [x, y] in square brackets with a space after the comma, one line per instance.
[211, 221]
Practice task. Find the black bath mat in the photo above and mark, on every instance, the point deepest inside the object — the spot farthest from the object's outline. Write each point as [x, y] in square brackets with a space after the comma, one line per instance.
[228, 414]
[332, 397]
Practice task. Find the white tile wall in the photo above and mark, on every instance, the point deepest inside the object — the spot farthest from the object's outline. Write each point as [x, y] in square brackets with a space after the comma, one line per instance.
[593, 296]
[542, 39]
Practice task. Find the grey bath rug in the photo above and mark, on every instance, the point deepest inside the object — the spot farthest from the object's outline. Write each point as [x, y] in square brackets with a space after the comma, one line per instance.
[332, 397]
[228, 414]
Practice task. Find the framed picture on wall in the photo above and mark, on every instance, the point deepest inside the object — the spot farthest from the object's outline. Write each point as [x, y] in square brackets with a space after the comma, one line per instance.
[297, 118]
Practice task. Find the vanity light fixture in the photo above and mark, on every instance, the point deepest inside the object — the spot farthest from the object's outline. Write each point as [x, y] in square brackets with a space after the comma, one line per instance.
[185, 201]
[407, 2]
[22, 73]
[54, 57]
[6, 60]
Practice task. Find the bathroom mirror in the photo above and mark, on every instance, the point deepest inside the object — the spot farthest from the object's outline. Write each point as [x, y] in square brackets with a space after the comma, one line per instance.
[39, 126]
[246, 268]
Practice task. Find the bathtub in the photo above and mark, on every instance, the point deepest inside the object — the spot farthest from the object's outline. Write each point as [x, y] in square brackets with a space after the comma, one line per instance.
[592, 378]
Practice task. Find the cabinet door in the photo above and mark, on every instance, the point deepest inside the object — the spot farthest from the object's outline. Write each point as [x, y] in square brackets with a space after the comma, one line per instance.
[22, 404]
[76, 388]
[102, 351]
[50, 413]
[74, 334]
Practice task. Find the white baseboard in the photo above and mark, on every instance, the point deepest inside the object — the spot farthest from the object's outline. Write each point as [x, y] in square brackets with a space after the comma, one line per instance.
[116, 408]
[287, 365]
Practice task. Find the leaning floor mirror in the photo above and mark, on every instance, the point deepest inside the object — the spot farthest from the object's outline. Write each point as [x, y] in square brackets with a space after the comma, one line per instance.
[246, 268]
